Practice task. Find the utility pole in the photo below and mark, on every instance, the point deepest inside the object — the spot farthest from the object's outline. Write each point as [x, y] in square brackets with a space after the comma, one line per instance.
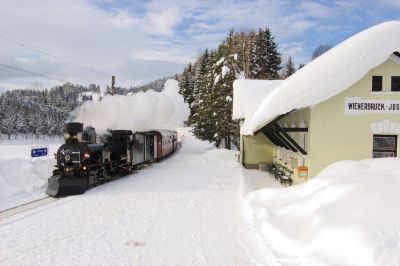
[112, 85]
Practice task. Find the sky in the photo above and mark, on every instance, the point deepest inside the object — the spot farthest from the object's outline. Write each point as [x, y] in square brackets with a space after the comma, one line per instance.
[88, 41]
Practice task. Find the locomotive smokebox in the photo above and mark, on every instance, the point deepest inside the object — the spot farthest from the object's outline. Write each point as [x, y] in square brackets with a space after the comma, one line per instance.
[73, 128]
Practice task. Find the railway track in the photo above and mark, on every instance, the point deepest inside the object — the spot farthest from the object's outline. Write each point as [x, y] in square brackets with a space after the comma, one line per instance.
[26, 207]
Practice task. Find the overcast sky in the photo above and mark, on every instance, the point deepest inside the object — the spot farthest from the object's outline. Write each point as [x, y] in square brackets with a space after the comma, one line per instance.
[139, 41]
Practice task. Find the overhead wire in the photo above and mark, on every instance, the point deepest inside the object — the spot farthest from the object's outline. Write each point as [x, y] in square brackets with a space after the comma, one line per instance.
[52, 55]
[33, 73]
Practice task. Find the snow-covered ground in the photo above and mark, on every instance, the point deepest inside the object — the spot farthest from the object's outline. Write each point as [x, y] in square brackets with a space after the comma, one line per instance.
[185, 210]
[200, 207]
[348, 215]
[23, 179]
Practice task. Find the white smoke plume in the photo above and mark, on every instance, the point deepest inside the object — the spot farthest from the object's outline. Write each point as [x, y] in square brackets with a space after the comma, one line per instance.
[139, 112]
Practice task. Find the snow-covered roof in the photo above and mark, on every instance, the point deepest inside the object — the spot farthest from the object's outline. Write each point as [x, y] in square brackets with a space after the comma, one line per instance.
[329, 74]
[248, 95]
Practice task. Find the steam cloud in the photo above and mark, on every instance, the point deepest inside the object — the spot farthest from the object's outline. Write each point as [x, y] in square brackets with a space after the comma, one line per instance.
[139, 112]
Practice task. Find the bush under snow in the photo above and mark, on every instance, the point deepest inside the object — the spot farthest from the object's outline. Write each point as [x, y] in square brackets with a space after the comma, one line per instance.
[348, 215]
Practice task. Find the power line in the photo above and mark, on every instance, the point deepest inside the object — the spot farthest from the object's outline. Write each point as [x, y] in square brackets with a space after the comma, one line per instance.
[52, 55]
[33, 73]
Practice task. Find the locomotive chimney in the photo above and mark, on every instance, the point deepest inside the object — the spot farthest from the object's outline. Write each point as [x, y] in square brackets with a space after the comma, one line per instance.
[73, 131]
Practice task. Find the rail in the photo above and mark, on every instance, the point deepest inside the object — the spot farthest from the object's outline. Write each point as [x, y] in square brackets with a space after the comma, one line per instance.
[26, 207]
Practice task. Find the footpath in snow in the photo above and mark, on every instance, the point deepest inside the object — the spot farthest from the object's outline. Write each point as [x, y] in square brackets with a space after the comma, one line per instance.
[185, 210]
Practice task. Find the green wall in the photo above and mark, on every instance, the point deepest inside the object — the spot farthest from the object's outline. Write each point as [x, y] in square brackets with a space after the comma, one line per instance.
[335, 136]
[332, 135]
[256, 149]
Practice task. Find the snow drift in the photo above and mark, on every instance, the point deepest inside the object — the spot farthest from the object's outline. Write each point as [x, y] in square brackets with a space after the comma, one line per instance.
[139, 112]
[330, 73]
[348, 215]
[21, 178]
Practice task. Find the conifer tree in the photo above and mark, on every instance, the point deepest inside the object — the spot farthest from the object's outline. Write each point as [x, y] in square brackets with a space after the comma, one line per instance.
[186, 84]
[273, 59]
[216, 103]
[289, 68]
[266, 58]
[203, 119]
[207, 85]
[203, 64]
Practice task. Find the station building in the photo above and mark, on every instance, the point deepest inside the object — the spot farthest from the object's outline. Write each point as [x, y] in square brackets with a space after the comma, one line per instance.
[344, 105]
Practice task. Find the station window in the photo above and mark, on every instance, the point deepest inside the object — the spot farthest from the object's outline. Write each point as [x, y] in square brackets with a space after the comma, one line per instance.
[384, 146]
[395, 83]
[376, 83]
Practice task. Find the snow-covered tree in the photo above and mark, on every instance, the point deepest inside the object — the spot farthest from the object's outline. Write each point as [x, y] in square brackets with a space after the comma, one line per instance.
[186, 84]
[267, 60]
[202, 120]
[248, 54]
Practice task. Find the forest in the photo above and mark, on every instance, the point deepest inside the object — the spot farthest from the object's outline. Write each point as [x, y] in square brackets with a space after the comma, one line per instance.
[207, 84]
[33, 113]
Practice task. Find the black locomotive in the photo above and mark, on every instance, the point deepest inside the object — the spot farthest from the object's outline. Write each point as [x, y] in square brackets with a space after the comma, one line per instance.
[83, 161]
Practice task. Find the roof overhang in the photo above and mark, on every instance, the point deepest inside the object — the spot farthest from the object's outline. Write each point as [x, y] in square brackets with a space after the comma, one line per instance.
[331, 73]
[395, 57]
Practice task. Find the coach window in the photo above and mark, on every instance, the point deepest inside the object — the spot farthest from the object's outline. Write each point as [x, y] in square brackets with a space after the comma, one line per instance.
[396, 83]
[376, 83]
[384, 146]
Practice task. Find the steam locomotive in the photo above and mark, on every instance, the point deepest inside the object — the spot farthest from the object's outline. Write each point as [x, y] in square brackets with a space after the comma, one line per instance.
[85, 161]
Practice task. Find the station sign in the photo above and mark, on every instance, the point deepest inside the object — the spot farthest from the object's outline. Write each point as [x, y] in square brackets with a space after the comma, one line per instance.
[39, 151]
[358, 106]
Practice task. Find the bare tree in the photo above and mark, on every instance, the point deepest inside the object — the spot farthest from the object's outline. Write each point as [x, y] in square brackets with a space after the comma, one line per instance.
[322, 48]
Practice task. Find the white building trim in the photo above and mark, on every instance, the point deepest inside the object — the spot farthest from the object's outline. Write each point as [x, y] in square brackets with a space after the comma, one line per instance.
[385, 127]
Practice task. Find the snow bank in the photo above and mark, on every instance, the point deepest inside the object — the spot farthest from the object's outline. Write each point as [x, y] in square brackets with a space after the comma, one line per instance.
[23, 177]
[21, 148]
[330, 73]
[247, 96]
[141, 111]
[348, 215]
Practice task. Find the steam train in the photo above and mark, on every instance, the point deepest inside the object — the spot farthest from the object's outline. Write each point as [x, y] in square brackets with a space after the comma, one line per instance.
[85, 161]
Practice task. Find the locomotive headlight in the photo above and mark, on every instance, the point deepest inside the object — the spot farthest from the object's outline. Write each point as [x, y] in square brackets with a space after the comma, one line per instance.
[86, 156]
[67, 136]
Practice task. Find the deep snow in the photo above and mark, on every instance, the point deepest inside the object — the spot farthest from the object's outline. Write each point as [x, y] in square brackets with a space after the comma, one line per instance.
[23, 179]
[347, 215]
[200, 207]
[185, 210]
